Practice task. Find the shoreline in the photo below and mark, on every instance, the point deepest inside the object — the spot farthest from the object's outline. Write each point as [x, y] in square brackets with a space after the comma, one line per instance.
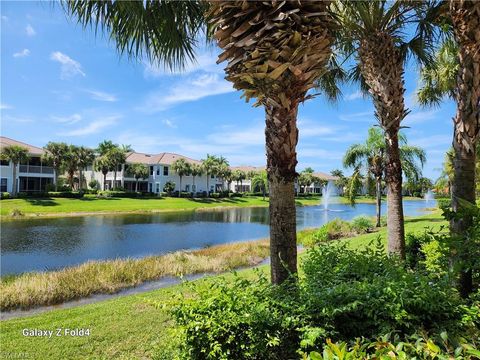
[47, 215]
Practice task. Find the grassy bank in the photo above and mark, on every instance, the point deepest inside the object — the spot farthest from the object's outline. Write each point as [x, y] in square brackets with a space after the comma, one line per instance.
[126, 327]
[48, 288]
[91, 205]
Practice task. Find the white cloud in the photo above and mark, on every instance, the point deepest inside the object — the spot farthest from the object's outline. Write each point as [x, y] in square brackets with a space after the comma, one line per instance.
[69, 67]
[72, 119]
[93, 127]
[191, 89]
[30, 30]
[23, 53]
[420, 117]
[169, 123]
[204, 61]
[245, 137]
[17, 119]
[4, 106]
[101, 96]
[363, 116]
[432, 141]
[354, 96]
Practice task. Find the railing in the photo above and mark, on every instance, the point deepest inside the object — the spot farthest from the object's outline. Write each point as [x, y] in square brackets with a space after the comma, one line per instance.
[34, 169]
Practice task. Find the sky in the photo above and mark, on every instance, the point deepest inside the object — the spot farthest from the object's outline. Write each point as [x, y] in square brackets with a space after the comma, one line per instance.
[60, 82]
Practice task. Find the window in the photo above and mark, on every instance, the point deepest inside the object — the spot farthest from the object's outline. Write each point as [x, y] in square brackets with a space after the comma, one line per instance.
[194, 188]
[158, 187]
[187, 188]
[149, 187]
[3, 185]
[151, 170]
[4, 163]
[165, 171]
[158, 170]
[212, 176]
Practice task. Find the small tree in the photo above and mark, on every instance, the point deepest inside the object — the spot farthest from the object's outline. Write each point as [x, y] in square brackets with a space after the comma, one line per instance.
[196, 170]
[139, 171]
[260, 181]
[55, 153]
[239, 176]
[169, 187]
[103, 164]
[86, 158]
[71, 164]
[182, 168]
[16, 154]
[209, 166]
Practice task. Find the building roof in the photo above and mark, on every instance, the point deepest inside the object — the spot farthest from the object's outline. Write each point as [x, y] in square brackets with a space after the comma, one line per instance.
[162, 158]
[32, 150]
[325, 176]
[248, 168]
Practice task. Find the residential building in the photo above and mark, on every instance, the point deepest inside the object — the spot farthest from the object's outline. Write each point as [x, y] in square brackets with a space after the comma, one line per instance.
[32, 176]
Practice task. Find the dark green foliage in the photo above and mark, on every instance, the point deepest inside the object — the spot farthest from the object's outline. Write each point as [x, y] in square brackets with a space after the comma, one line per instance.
[4, 195]
[169, 187]
[123, 194]
[52, 194]
[362, 224]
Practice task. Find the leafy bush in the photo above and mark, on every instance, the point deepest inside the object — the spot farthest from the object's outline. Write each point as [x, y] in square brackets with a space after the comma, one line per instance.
[321, 235]
[338, 228]
[241, 319]
[362, 224]
[94, 184]
[386, 347]
[367, 294]
[65, 194]
[169, 187]
[5, 195]
[123, 194]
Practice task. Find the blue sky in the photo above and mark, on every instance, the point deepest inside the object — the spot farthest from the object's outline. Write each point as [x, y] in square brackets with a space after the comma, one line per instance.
[62, 83]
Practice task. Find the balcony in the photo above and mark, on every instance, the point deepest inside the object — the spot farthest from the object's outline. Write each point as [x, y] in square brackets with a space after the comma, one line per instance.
[35, 169]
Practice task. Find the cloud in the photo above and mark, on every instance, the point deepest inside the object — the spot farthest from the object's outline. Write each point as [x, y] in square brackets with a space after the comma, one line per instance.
[169, 123]
[72, 119]
[363, 116]
[22, 120]
[245, 137]
[23, 53]
[4, 106]
[432, 141]
[30, 30]
[101, 96]
[204, 61]
[191, 89]
[354, 96]
[69, 67]
[417, 117]
[93, 127]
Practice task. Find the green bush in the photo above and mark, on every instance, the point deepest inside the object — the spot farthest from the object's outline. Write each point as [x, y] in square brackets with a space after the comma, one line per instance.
[65, 194]
[393, 347]
[338, 228]
[319, 236]
[123, 194]
[169, 187]
[5, 195]
[94, 184]
[362, 224]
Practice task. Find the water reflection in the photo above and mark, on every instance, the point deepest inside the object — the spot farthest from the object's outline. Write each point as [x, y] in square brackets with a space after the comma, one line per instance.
[41, 244]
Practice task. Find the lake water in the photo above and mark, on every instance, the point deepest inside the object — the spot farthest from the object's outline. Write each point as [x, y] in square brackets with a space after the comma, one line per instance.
[48, 244]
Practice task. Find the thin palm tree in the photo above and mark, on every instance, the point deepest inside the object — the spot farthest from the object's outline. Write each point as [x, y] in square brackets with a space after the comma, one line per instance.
[16, 154]
[209, 165]
[182, 168]
[71, 164]
[196, 170]
[239, 175]
[222, 169]
[260, 181]
[276, 51]
[85, 157]
[380, 35]
[372, 157]
[55, 154]
[103, 164]
[117, 157]
[139, 171]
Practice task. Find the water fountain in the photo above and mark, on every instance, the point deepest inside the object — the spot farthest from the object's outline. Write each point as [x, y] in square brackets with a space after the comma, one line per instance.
[327, 192]
[429, 196]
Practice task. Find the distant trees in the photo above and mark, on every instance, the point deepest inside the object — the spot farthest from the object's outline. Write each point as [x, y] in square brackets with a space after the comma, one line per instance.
[139, 171]
[260, 182]
[114, 156]
[85, 157]
[238, 176]
[196, 170]
[102, 164]
[182, 168]
[16, 154]
[55, 153]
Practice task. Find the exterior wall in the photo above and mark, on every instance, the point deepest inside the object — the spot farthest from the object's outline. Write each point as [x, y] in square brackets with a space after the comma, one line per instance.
[24, 171]
[6, 172]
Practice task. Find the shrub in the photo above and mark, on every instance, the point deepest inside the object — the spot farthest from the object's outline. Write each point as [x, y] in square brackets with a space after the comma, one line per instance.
[169, 187]
[236, 194]
[338, 228]
[93, 184]
[5, 195]
[65, 194]
[362, 224]
[16, 212]
[321, 235]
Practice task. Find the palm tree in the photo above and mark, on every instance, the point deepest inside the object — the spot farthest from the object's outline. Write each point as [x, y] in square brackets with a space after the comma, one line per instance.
[305, 179]
[260, 181]
[239, 175]
[117, 157]
[103, 164]
[225, 174]
[222, 168]
[372, 157]
[55, 154]
[182, 168]
[86, 157]
[71, 164]
[209, 165]
[16, 154]
[379, 34]
[139, 171]
[276, 51]
[196, 170]
[105, 146]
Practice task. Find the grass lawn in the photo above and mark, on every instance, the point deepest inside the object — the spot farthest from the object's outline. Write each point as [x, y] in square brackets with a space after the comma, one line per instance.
[127, 327]
[91, 204]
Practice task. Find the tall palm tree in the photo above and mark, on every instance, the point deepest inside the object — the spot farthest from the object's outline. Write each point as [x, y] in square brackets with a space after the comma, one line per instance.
[139, 171]
[276, 51]
[16, 154]
[71, 164]
[239, 175]
[105, 146]
[117, 157]
[209, 165]
[196, 170]
[85, 157]
[379, 34]
[103, 164]
[55, 154]
[372, 157]
[222, 168]
[182, 168]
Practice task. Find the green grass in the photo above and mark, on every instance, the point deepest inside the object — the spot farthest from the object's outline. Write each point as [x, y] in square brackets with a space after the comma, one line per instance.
[128, 327]
[91, 204]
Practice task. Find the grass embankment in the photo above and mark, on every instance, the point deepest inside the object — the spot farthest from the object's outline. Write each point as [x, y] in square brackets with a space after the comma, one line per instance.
[107, 277]
[129, 327]
[92, 205]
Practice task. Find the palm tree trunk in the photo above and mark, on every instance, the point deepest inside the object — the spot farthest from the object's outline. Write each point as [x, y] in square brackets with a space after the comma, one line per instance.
[15, 186]
[208, 188]
[80, 177]
[114, 179]
[281, 139]
[55, 176]
[136, 186]
[180, 188]
[393, 177]
[379, 201]
[104, 182]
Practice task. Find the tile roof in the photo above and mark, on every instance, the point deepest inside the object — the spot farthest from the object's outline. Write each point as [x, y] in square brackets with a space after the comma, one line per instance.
[162, 158]
[32, 150]
[325, 176]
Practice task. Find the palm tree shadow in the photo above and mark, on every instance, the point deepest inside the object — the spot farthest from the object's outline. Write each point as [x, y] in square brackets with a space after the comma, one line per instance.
[42, 202]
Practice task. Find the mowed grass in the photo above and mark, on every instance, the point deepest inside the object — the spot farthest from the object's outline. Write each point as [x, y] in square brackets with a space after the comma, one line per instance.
[107, 277]
[131, 327]
[92, 204]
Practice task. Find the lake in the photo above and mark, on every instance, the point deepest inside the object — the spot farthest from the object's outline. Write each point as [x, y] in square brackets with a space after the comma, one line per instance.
[53, 243]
